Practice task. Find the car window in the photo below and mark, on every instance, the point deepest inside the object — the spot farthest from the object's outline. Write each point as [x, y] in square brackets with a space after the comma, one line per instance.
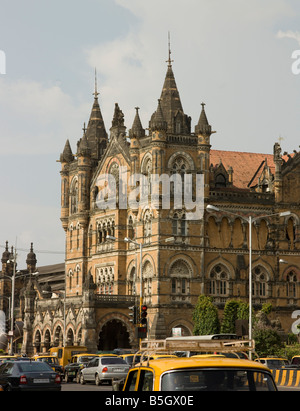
[131, 380]
[112, 360]
[217, 380]
[296, 360]
[6, 369]
[146, 380]
[34, 366]
[85, 358]
[93, 363]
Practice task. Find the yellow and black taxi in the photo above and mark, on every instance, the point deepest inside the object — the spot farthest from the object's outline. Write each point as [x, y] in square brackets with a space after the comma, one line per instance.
[4, 358]
[206, 373]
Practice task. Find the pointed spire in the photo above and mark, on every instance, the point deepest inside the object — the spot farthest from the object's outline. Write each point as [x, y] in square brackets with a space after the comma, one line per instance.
[83, 147]
[158, 121]
[203, 127]
[137, 129]
[6, 254]
[31, 257]
[67, 155]
[171, 103]
[96, 133]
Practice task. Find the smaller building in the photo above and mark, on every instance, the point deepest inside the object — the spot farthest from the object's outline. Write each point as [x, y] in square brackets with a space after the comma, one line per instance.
[43, 282]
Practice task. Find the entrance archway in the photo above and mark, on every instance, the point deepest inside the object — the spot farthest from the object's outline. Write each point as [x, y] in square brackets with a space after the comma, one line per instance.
[113, 335]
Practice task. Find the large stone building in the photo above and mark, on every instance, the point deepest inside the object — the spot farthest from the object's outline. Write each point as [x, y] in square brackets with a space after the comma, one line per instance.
[208, 255]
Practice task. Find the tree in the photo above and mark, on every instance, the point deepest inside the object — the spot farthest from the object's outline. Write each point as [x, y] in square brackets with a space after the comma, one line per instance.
[266, 336]
[229, 317]
[267, 341]
[205, 317]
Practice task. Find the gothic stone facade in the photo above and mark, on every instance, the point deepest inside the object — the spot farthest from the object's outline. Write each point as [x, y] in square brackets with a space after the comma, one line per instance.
[209, 255]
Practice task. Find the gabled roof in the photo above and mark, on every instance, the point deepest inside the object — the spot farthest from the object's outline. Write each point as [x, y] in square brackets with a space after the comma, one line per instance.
[246, 166]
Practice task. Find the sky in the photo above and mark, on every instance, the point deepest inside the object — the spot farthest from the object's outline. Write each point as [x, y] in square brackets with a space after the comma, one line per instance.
[238, 57]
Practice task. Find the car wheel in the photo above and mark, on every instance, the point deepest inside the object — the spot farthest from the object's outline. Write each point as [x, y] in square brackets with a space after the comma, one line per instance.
[81, 378]
[97, 380]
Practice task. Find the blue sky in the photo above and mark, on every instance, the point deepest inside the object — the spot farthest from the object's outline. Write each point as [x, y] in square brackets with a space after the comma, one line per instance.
[234, 55]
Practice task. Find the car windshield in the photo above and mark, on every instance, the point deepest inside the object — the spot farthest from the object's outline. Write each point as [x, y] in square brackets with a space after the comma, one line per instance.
[49, 360]
[130, 359]
[276, 363]
[34, 366]
[86, 358]
[112, 360]
[217, 380]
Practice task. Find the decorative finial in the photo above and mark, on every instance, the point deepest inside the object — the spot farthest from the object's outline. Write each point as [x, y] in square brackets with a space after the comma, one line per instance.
[96, 94]
[203, 105]
[84, 128]
[169, 61]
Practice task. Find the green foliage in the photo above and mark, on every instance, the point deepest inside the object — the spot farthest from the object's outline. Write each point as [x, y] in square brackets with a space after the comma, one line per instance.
[289, 351]
[243, 311]
[230, 316]
[234, 310]
[267, 341]
[267, 308]
[205, 317]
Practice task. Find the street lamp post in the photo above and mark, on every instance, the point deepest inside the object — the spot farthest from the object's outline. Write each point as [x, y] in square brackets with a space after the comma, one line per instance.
[140, 245]
[249, 220]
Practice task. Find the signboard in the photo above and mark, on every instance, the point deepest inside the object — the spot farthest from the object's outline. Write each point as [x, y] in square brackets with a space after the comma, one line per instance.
[176, 332]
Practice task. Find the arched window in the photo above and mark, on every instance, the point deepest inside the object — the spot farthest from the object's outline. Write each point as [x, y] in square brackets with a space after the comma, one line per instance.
[220, 181]
[71, 237]
[147, 225]
[74, 197]
[131, 282]
[260, 279]
[105, 280]
[179, 225]
[219, 281]
[291, 282]
[131, 232]
[180, 273]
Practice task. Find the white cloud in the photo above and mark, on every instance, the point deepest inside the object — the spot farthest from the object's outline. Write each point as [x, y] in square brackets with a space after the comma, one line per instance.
[36, 118]
[289, 34]
[225, 53]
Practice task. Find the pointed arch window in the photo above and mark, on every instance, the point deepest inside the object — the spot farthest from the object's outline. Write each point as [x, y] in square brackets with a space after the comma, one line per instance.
[147, 225]
[220, 181]
[260, 280]
[131, 231]
[74, 197]
[219, 281]
[291, 282]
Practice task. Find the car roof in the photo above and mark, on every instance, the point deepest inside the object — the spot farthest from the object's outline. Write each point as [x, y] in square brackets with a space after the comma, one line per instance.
[162, 365]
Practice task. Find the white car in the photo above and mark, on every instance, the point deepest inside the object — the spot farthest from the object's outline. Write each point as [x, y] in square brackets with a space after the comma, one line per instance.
[102, 369]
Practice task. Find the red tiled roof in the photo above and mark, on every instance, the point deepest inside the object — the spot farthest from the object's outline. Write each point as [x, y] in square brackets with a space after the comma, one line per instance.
[244, 165]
